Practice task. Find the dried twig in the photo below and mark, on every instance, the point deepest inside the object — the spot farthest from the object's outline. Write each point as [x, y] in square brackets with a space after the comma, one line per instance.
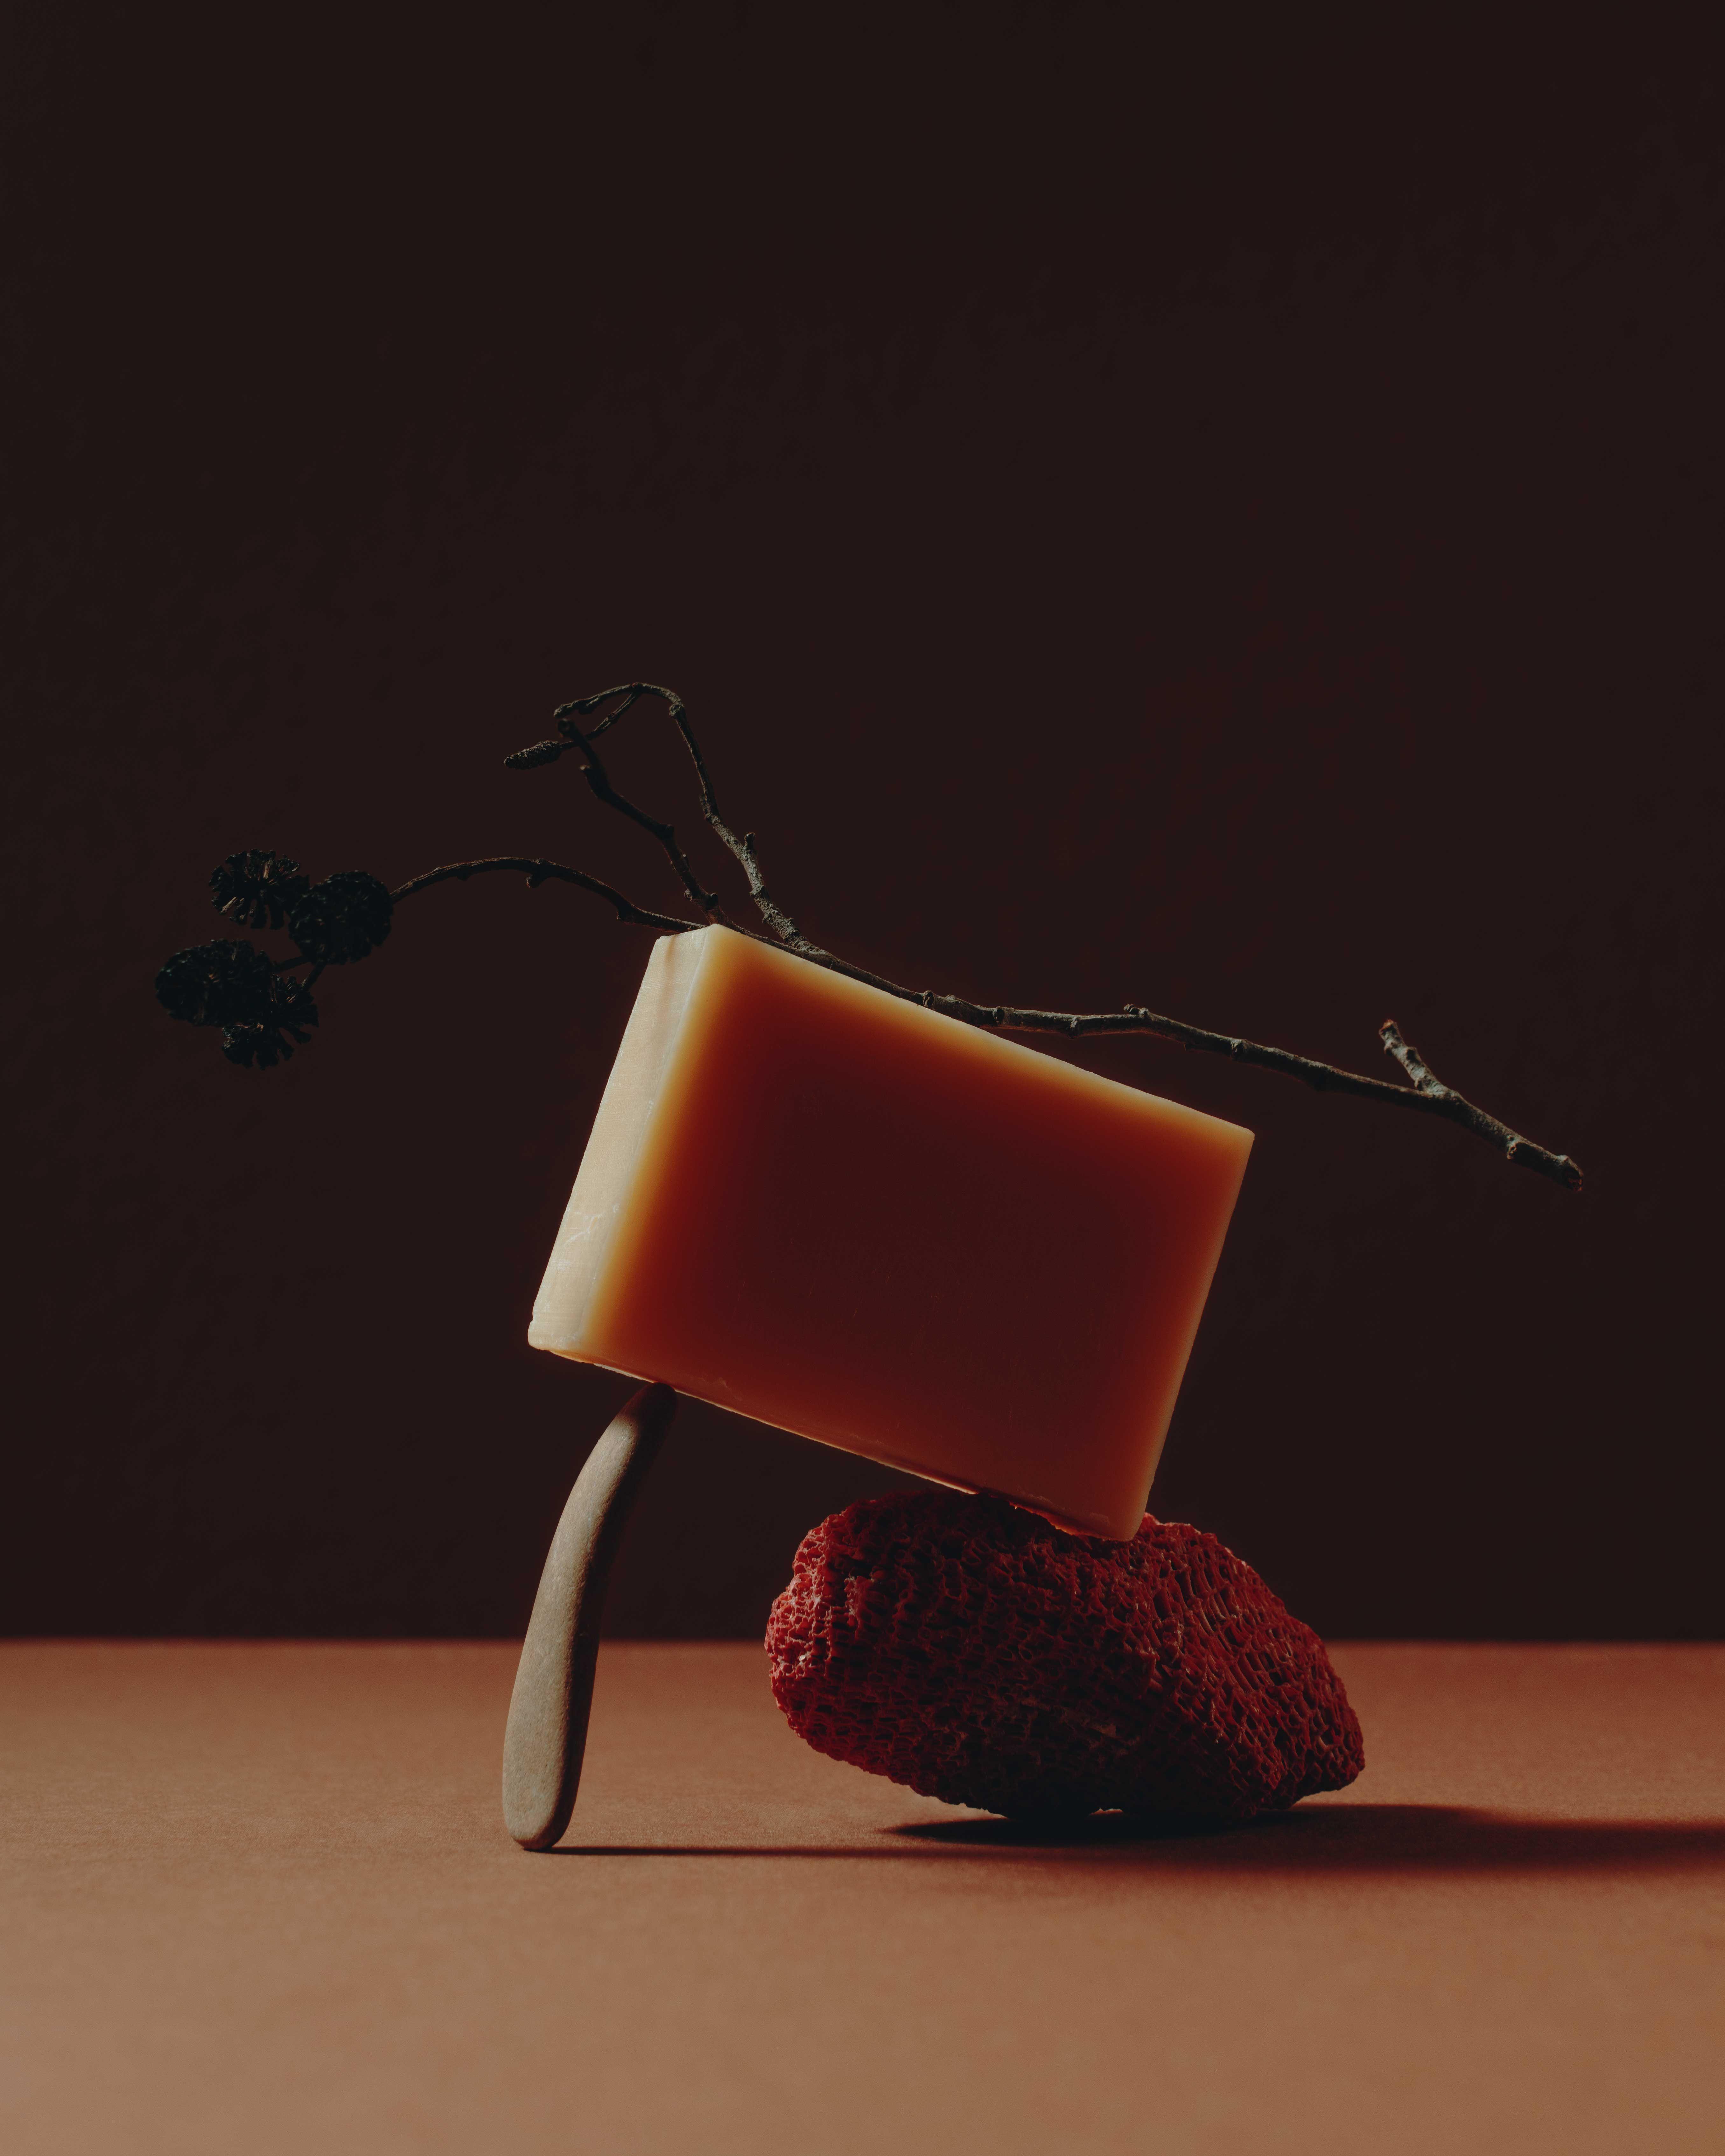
[743, 849]
[599, 779]
[536, 873]
[1425, 1093]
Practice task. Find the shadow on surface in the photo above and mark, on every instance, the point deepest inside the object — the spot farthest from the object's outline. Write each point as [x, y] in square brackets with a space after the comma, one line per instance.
[1320, 1838]
[1365, 1837]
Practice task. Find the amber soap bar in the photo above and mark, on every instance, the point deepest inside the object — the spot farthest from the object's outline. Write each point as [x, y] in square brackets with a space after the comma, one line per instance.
[876, 1226]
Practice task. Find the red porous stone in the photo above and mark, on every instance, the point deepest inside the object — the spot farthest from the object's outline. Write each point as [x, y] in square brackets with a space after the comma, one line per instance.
[975, 1653]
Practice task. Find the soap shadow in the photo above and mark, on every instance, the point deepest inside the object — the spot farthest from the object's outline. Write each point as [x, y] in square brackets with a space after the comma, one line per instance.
[1316, 1840]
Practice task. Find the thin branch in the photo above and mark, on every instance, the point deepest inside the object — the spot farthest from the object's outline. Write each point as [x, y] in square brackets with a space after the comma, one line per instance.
[255, 881]
[598, 780]
[1426, 1094]
[299, 958]
[539, 872]
[742, 849]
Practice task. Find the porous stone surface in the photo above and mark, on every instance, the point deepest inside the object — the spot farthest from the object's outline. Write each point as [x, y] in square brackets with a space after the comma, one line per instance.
[974, 1653]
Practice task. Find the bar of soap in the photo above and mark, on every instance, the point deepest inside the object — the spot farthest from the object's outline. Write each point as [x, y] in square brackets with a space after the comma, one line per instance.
[878, 1227]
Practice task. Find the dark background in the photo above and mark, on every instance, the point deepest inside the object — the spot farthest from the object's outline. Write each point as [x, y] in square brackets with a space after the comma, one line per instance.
[1227, 522]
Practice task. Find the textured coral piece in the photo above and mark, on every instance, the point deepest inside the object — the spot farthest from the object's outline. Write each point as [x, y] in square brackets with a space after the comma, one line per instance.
[975, 1653]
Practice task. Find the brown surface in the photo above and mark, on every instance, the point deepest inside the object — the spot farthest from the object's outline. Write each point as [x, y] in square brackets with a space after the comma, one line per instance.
[261, 1899]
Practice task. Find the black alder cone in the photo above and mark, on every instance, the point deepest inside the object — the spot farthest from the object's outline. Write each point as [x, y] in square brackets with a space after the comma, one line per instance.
[291, 1010]
[225, 984]
[257, 889]
[341, 919]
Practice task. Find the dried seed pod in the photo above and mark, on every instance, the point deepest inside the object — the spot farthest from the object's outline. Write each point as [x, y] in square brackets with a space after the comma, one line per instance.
[341, 919]
[975, 1653]
[257, 889]
[226, 984]
[291, 1010]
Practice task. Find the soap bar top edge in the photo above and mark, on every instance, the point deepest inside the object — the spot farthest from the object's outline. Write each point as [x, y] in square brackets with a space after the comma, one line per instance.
[987, 1044]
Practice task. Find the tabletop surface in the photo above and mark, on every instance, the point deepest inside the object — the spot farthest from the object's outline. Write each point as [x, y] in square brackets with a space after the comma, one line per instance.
[259, 1898]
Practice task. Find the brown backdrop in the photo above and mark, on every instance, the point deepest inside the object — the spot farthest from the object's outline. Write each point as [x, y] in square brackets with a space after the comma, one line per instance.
[1234, 527]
